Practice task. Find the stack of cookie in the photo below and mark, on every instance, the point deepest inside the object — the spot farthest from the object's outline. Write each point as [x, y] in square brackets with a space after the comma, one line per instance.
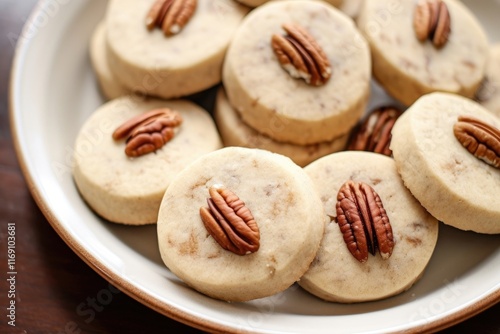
[163, 52]
[240, 223]
[434, 57]
[147, 55]
[294, 85]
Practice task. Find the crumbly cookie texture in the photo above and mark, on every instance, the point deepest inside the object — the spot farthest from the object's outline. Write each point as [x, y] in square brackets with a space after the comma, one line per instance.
[282, 107]
[451, 183]
[489, 93]
[336, 275]
[235, 132]
[185, 63]
[286, 209]
[109, 86]
[408, 68]
[129, 190]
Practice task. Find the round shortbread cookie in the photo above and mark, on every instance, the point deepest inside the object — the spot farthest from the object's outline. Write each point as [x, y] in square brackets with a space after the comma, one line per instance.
[110, 87]
[185, 63]
[286, 109]
[129, 190]
[255, 3]
[235, 132]
[408, 68]
[489, 93]
[452, 184]
[282, 200]
[335, 274]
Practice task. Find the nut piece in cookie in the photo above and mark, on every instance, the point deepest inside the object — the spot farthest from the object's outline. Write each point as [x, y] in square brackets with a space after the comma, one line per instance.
[374, 133]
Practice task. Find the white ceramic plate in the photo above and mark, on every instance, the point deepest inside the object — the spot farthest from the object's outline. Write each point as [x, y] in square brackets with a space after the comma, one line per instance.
[54, 91]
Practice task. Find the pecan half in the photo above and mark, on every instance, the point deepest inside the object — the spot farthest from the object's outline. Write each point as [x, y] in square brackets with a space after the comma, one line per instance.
[301, 56]
[148, 132]
[230, 222]
[374, 133]
[363, 221]
[479, 138]
[170, 15]
[432, 21]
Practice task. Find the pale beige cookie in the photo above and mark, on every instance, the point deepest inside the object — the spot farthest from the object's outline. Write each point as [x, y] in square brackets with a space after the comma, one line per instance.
[286, 210]
[108, 84]
[489, 93]
[170, 66]
[408, 68]
[126, 189]
[255, 3]
[336, 275]
[235, 132]
[285, 108]
[452, 184]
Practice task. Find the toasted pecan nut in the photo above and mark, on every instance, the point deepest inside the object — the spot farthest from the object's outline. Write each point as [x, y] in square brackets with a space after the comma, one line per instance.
[363, 221]
[170, 15]
[148, 132]
[301, 56]
[374, 133]
[432, 21]
[479, 138]
[230, 222]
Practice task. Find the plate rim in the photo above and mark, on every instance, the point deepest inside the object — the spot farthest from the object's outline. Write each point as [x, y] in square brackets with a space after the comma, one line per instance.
[128, 288]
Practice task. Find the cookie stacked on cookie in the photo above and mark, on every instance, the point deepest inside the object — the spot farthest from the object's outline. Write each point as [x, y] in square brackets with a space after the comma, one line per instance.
[165, 49]
[295, 79]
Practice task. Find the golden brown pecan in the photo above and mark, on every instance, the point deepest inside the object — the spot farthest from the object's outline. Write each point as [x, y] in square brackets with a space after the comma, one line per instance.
[432, 21]
[230, 222]
[301, 56]
[148, 132]
[374, 133]
[363, 221]
[170, 15]
[479, 138]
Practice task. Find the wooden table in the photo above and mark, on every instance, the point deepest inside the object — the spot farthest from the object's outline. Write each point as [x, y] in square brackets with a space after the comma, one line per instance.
[54, 287]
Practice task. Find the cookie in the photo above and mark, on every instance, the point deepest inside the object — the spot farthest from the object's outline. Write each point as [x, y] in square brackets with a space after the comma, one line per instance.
[336, 274]
[407, 67]
[185, 59]
[108, 84]
[287, 215]
[454, 185]
[235, 132]
[125, 189]
[373, 133]
[261, 83]
[489, 93]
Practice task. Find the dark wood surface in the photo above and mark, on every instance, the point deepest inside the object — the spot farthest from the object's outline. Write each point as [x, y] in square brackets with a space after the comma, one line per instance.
[55, 291]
